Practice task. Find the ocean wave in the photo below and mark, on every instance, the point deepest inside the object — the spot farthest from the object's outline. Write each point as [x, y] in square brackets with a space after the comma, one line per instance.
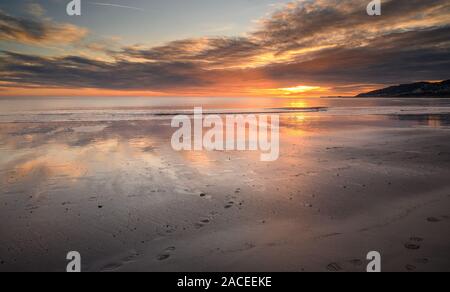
[133, 115]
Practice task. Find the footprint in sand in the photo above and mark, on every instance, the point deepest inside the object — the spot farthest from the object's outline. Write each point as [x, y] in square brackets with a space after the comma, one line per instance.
[163, 257]
[166, 254]
[410, 268]
[229, 205]
[334, 267]
[433, 220]
[437, 219]
[202, 223]
[111, 267]
[414, 243]
[412, 246]
[117, 265]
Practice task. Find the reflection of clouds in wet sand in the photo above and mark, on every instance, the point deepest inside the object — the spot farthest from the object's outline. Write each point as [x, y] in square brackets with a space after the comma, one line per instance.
[39, 163]
[429, 120]
[55, 162]
[51, 166]
[121, 190]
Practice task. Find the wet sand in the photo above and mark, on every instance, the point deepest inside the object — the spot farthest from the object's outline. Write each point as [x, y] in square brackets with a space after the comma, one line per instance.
[117, 193]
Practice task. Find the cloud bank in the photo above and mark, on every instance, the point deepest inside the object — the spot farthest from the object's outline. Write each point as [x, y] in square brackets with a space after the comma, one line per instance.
[327, 43]
[35, 31]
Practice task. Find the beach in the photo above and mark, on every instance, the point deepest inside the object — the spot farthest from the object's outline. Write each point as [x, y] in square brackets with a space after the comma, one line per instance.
[109, 185]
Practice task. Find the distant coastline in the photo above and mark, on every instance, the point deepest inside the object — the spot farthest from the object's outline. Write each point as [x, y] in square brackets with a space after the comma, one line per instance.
[413, 90]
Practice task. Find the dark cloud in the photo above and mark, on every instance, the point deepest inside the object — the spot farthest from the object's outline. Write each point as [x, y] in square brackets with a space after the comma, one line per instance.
[37, 31]
[17, 28]
[212, 51]
[397, 58]
[76, 72]
[345, 22]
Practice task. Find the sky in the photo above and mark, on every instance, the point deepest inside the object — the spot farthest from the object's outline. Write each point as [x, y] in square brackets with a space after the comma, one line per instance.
[220, 48]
